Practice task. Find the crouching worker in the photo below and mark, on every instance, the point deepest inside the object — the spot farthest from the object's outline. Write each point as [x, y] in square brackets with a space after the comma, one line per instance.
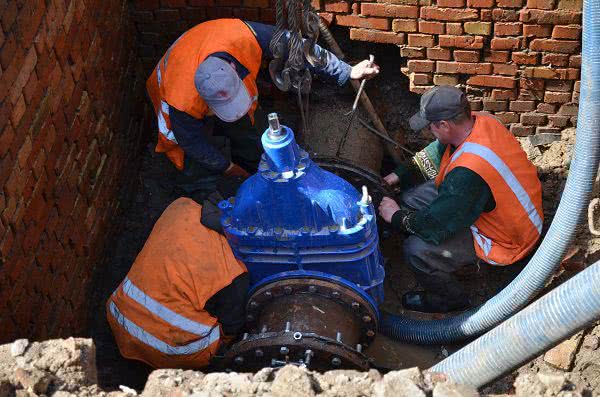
[184, 296]
[477, 199]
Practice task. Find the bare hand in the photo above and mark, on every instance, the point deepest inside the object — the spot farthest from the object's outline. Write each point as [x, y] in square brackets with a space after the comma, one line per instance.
[392, 179]
[387, 209]
[364, 70]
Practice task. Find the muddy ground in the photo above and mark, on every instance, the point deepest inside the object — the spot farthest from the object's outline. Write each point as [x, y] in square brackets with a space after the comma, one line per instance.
[153, 190]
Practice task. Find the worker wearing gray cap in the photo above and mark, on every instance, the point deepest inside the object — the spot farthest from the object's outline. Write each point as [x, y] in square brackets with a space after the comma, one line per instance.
[477, 199]
[205, 95]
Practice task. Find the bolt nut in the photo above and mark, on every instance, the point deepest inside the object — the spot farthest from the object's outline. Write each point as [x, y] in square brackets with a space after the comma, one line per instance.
[253, 304]
[366, 319]
[312, 289]
[287, 290]
[239, 360]
[249, 318]
[370, 333]
[355, 305]
[284, 350]
[336, 361]
[259, 353]
[268, 294]
[335, 294]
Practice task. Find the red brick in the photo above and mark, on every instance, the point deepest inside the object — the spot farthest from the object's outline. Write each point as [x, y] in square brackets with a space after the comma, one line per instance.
[575, 61]
[466, 56]
[492, 105]
[424, 66]
[504, 94]
[521, 130]
[555, 17]
[546, 108]
[466, 42]
[445, 79]
[541, 4]
[404, 25]
[507, 28]
[500, 15]
[558, 121]
[337, 6]
[431, 27]
[376, 36]
[492, 81]
[506, 70]
[559, 85]
[421, 40]
[454, 29]
[555, 59]
[442, 54]
[449, 14]
[496, 56]
[533, 118]
[572, 32]
[413, 52]
[327, 17]
[509, 3]
[537, 30]
[506, 43]
[451, 3]
[420, 78]
[360, 22]
[551, 73]
[525, 58]
[463, 68]
[573, 5]
[389, 10]
[486, 15]
[480, 3]
[549, 45]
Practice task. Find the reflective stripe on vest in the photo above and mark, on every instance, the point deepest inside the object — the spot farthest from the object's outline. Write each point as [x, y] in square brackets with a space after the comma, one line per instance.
[150, 340]
[513, 183]
[164, 110]
[163, 312]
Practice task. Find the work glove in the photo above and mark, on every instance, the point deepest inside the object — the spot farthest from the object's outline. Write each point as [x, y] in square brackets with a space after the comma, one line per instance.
[236, 170]
[211, 213]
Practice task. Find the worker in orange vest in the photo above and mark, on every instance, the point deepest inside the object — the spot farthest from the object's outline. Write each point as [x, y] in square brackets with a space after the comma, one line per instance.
[205, 85]
[478, 198]
[184, 296]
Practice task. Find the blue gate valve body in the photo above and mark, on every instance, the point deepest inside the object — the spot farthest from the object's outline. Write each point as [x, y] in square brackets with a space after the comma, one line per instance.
[293, 219]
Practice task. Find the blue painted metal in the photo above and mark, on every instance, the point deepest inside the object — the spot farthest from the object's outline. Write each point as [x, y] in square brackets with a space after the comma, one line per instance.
[293, 216]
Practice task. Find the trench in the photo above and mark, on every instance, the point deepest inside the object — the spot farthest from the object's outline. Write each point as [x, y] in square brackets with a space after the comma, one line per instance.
[153, 189]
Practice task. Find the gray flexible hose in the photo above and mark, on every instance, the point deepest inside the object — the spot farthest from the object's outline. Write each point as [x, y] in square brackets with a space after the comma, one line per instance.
[572, 208]
[557, 315]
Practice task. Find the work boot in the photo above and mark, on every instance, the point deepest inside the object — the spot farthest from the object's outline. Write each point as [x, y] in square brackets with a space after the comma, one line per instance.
[422, 301]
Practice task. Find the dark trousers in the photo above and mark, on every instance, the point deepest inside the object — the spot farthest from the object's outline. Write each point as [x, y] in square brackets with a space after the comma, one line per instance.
[239, 142]
[434, 266]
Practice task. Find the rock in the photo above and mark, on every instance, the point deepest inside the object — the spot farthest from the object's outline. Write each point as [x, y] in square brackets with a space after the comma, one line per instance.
[400, 384]
[227, 383]
[591, 342]
[128, 390]
[18, 347]
[292, 381]
[544, 138]
[528, 385]
[553, 382]
[33, 380]
[562, 355]
[449, 389]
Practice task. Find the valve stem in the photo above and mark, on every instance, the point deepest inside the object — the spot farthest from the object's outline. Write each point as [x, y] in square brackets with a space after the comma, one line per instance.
[274, 127]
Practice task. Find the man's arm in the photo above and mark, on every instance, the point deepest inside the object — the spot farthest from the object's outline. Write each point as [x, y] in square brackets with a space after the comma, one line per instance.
[191, 135]
[423, 166]
[463, 197]
[229, 305]
[334, 69]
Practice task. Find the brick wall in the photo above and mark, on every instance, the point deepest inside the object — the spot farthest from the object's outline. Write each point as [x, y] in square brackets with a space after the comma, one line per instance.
[67, 139]
[518, 59]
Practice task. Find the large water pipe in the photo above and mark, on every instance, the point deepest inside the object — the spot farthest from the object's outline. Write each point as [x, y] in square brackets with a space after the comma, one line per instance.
[554, 317]
[572, 208]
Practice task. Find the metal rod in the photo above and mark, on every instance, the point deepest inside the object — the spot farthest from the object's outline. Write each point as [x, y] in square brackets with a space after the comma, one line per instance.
[385, 137]
[366, 102]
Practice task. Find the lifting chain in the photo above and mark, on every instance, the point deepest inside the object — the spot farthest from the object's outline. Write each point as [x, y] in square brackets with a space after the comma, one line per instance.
[292, 53]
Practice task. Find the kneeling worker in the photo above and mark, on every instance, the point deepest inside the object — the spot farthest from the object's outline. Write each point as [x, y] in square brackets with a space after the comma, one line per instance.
[205, 85]
[184, 295]
[482, 202]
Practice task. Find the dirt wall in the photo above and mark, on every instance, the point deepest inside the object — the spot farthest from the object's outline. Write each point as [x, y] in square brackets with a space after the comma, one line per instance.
[67, 139]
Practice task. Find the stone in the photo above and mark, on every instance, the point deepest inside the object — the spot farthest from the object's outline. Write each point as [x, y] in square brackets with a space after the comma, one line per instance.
[543, 139]
[591, 342]
[33, 380]
[400, 384]
[448, 389]
[562, 355]
[292, 381]
[18, 347]
[553, 382]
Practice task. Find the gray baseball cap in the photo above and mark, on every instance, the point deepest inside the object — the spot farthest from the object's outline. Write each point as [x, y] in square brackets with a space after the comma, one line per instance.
[222, 89]
[443, 102]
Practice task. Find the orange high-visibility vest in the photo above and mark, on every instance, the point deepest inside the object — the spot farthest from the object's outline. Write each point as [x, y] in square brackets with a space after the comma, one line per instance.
[508, 232]
[157, 313]
[172, 81]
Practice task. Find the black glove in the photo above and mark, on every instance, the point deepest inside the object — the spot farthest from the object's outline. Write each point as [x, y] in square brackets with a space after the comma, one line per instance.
[211, 213]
